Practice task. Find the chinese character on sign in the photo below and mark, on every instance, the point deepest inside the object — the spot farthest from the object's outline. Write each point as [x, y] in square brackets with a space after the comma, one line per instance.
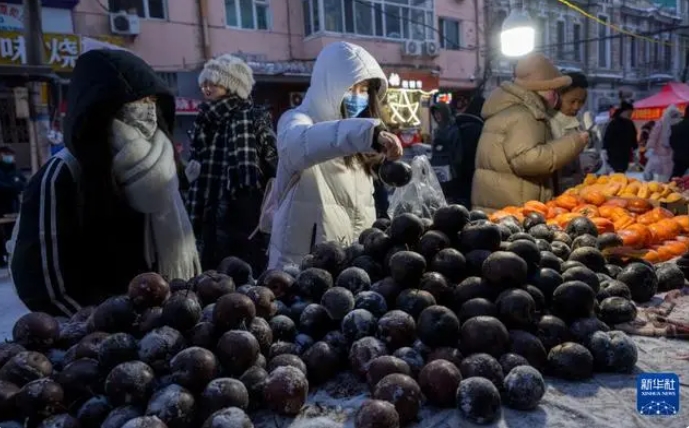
[63, 52]
[419, 84]
[412, 84]
[394, 79]
[13, 49]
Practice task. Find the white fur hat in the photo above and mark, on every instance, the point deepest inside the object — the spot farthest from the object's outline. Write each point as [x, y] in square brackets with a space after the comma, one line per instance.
[230, 72]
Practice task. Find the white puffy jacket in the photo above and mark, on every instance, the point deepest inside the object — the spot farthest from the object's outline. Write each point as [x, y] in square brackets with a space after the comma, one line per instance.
[330, 202]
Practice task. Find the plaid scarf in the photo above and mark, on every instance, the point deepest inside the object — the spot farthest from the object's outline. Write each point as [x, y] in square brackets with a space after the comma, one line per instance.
[232, 145]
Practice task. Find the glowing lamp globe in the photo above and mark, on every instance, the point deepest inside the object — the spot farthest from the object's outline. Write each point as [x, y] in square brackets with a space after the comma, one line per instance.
[518, 36]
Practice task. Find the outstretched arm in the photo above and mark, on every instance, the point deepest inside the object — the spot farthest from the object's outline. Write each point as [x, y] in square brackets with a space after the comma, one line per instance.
[302, 143]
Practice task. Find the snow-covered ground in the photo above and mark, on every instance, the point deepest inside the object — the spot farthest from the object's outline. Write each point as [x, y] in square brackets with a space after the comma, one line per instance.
[11, 307]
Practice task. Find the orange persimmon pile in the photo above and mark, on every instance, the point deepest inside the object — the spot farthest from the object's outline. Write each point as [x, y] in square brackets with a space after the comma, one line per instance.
[634, 219]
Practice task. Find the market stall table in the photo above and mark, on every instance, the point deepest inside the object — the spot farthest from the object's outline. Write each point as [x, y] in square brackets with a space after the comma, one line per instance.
[607, 400]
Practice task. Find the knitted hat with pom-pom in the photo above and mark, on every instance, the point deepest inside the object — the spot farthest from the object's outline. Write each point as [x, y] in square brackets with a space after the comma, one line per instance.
[230, 72]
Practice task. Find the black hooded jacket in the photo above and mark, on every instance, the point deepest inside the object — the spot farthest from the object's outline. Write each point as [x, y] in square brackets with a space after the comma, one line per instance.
[76, 243]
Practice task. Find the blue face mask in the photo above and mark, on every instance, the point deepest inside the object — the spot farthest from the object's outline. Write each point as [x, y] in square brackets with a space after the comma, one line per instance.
[8, 159]
[355, 104]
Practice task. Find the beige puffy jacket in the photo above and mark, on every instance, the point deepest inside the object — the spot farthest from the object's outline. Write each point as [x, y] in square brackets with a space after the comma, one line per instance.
[517, 159]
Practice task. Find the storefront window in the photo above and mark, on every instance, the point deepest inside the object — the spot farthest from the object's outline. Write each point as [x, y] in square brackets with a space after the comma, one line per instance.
[394, 19]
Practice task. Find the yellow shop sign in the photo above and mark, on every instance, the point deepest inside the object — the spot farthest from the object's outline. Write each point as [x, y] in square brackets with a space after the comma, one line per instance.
[60, 50]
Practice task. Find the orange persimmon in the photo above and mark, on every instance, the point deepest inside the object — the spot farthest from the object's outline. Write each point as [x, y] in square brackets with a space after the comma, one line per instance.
[659, 233]
[643, 231]
[677, 248]
[623, 222]
[563, 219]
[664, 253]
[567, 201]
[673, 229]
[660, 213]
[603, 225]
[606, 211]
[632, 238]
[639, 205]
[646, 219]
[652, 256]
[535, 206]
[617, 202]
[587, 210]
[594, 197]
[555, 211]
[682, 221]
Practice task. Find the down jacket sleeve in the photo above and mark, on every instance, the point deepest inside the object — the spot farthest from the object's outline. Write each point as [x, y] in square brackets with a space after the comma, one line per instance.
[303, 144]
[530, 156]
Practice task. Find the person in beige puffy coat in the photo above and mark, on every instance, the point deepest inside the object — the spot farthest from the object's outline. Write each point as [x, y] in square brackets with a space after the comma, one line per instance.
[517, 158]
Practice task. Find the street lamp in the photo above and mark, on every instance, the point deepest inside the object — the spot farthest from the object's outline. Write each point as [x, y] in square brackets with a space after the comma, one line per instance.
[518, 35]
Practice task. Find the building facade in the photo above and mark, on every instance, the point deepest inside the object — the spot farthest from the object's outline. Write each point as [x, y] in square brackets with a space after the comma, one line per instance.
[425, 44]
[613, 60]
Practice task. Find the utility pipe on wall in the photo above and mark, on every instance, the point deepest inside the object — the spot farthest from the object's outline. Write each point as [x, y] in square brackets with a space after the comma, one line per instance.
[477, 70]
[205, 36]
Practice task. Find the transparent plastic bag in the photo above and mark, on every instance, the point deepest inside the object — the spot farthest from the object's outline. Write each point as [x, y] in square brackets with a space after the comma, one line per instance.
[422, 196]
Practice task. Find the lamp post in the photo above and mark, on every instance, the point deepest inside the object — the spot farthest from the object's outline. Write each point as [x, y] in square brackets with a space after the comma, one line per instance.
[518, 36]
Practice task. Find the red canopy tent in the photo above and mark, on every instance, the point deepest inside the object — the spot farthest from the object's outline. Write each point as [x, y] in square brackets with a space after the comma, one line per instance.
[652, 108]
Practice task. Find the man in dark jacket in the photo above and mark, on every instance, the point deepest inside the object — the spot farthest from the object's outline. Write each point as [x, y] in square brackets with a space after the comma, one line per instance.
[446, 149]
[80, 238]
[679, 141]
[620, 138]
[470, 124]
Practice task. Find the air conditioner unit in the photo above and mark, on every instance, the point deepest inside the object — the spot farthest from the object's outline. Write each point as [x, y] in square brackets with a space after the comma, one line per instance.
[431, 48]
[412, 48]
[124, 23]
[295, 98]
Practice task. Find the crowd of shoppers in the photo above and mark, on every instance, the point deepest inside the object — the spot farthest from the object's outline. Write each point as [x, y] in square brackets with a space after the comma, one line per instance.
[117, 201]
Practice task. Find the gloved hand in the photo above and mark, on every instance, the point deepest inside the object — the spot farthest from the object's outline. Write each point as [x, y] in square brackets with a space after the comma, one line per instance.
[192, 171]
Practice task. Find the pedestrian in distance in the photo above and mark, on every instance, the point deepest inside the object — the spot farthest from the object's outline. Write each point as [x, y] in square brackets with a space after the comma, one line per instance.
[12, 183]
[620, 136]
[679, 142]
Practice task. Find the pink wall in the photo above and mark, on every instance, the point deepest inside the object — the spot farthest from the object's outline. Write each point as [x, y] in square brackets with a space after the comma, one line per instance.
[175, 44]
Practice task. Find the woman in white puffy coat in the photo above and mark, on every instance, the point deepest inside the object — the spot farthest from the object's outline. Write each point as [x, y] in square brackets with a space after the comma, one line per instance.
[327, 150]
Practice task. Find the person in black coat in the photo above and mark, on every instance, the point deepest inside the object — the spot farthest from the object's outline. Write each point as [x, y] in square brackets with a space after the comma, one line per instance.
[679, 141]
[108, 206]
[470, 124]
[12, 183]
[620, 138]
